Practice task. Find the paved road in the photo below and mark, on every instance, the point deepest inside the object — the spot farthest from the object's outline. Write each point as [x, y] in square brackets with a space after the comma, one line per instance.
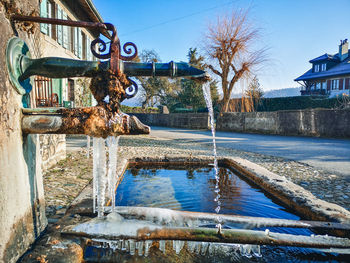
[332, 155]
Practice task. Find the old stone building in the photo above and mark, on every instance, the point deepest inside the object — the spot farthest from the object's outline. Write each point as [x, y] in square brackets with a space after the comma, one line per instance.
[66, 42]
[22, 203]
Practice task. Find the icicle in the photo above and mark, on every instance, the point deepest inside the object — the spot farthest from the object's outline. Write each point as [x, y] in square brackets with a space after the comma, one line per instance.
[124, 245]
[132, 247]
[113, 245]
[246, 250]
[162, 245]
[178, 245]
[191, 246]
[256, 251]
[101, 176]
[204, 248]
[197, 247]
[120, 244]
[112, 143]
[95, 161]
[148, 244]
[139, 246]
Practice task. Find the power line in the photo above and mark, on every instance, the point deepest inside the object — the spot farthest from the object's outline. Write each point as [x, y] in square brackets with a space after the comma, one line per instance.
[178, 18]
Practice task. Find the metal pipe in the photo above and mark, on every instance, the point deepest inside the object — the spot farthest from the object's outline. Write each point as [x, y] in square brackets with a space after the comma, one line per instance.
[55, 67]
[92, 121]
[131, 229]
[152, 213]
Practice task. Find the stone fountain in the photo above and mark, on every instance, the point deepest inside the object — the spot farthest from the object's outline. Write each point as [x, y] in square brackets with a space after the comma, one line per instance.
[110, 85]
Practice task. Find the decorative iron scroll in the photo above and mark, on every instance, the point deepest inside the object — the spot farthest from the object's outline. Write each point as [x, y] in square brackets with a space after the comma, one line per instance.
[128, 48]
[131, 91]
[98, 46]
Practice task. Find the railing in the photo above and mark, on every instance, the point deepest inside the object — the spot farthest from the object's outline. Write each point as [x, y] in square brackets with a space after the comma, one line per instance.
[42, 93]
[314, 92]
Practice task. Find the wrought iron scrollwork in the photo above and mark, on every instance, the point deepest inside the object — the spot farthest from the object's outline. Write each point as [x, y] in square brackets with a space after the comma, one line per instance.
[128, 48]
[102, 45]
[131, 91]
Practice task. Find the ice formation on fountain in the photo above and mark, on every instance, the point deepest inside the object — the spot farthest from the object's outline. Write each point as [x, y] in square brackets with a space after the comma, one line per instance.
[103, 178]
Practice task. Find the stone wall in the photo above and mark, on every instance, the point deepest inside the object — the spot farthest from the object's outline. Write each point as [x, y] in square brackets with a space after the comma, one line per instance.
[52, 149]
[22, 205]
[314, 122]
[176, 120]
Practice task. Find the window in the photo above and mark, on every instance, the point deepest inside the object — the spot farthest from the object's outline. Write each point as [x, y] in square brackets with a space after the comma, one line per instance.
[317, 68]
[84, 49]
[324, 67]
[318, 85]
[335, 84]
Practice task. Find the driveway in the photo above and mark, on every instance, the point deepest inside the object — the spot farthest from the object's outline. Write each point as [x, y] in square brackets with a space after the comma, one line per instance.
[331, 155]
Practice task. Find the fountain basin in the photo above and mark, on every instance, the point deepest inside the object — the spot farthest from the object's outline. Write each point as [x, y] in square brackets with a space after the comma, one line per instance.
[317, 209]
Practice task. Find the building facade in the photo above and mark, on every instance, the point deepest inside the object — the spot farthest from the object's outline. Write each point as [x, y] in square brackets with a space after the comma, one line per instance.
[329, 75]
[65, 42]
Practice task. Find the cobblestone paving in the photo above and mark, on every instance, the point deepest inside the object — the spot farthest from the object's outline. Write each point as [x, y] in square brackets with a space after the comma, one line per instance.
[64, 181]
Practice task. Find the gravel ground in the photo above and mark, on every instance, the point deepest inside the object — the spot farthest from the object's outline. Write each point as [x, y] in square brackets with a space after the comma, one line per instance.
[64, 181]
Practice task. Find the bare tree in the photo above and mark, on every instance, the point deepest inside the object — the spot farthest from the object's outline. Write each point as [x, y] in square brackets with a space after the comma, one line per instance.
[228, 45]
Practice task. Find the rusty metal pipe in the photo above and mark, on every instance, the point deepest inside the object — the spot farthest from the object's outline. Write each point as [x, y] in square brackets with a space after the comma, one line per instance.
[121, 230]
[92, 121]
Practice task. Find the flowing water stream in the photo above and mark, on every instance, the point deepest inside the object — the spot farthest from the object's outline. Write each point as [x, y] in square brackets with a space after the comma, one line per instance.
[208, 101]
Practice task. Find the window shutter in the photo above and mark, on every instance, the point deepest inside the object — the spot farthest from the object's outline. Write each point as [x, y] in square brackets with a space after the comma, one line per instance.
[347, 80]
[65, 31]
[88, 52]
[76, 41]
[80, 47]
[49, 15]
[329, 84]
[341, 83]
[43, 13]
[59, 27]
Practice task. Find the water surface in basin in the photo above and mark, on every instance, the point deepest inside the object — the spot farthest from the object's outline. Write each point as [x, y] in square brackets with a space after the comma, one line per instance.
[192, 189]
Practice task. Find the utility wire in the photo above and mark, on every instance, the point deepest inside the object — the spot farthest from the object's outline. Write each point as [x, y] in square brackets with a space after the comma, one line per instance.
[177, 19]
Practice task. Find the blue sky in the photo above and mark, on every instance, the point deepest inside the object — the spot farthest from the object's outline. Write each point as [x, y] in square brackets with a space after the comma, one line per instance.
[293, 31]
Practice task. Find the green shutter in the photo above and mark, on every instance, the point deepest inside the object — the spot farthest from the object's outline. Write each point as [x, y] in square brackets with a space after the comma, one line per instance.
[80, 47]
[57, 88]
[59, 27]
[88, 52]
[49, 15]
[76, 41]
[65, 31]
[43, 13]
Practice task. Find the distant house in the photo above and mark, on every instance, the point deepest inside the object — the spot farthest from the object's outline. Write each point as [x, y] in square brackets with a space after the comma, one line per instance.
[329, 75]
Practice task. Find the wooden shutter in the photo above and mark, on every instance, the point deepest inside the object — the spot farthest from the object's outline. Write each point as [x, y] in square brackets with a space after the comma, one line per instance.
[65, 31]
[59, 27]
[76, 41]
[347, 80]
[329, 84]
[43, 13]
[80, 44]
[88, 52]
[341, 84]
[49, 15]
